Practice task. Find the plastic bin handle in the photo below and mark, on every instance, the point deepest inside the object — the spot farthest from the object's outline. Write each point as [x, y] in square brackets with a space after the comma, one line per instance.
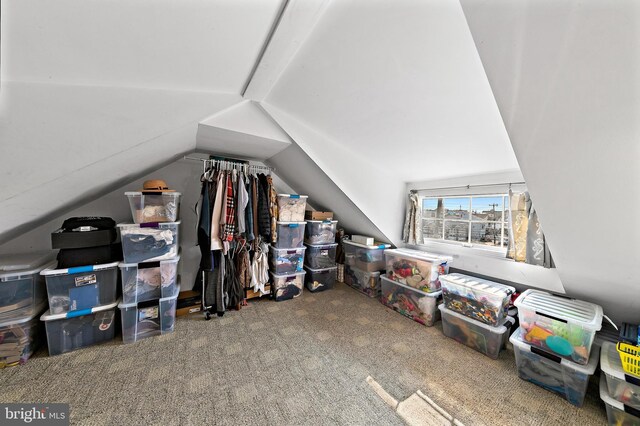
[551, 317]
[292, 225]
[78, 313]
[150, 225]
[631, 410]
[148, 265]
[80, 269]
[554, 358]
[633, 380]
[151, 193]
[294, 196]
[148, 304]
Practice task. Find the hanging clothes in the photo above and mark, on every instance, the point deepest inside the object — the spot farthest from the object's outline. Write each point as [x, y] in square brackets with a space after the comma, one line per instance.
[412, 231]
[204, 227]
[273, 209]
[243, 200]
[254, 193]
[249, 211]
[243, 266]
[260, 269]
[229, 214]
[264, 217]
[221, 184]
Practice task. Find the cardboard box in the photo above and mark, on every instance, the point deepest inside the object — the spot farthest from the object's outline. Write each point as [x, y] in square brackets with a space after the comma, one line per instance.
[188, 303]
[361, 239]
[316, 215]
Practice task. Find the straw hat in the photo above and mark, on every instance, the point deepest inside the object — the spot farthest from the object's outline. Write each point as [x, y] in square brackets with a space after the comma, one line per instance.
[156, 185]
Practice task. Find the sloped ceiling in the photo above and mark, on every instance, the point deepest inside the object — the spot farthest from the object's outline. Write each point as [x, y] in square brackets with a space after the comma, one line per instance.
[566, 76]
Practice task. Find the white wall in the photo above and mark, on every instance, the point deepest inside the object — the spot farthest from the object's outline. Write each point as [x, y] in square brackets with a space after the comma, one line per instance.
[566, 76]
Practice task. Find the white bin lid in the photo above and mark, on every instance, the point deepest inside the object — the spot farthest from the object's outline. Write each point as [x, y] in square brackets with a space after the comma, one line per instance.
[79, 313]
[164, 299]
[585, 314]
[25, 318]
[322, 221]
[15, 265]
[331, 268]
[422, 255]
[141, 225]
[321, 246]
[292, 249]
[417, 290]
[79, 269]
[169, 193]
[610, 361]
[161, 262]
[516, 339]
[497, 330]
[292, 196]
[478, 284]
[293, 274]
[376, 246]
[291, 223]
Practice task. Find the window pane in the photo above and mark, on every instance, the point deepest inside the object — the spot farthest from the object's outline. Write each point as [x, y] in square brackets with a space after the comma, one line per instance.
[432, 208]
[487, 208]
[432, 229]
[505, 240]
[486, 233]
[456, 231]
[456, 208]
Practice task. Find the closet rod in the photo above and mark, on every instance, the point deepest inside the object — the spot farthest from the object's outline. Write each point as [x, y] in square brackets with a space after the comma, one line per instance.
[468, 186]
[229, 162]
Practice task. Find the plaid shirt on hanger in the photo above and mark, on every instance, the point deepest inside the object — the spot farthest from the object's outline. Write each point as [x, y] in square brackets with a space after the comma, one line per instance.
[230, 214]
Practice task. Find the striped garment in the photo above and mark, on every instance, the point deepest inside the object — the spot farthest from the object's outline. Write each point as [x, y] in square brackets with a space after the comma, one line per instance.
[230, 214]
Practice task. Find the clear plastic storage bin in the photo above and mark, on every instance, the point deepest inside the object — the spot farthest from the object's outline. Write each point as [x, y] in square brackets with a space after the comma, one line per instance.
[290, 234]
[321, 232]
[153, 206]
[618, 413]
[149, 241]
[320, 279]
[366, 258]
[286, 260]
[558, 324]
[320, 256]
[474, 334]
[416, 268]
[287, 286]
[149, 280]
[622, 387]
[22, 288]
[82, 287]
[20, 337]
[150, 318]
[364, 281]
[79, 329]
[410, 302]
[482, 300]
[291, 207]
[551, 372]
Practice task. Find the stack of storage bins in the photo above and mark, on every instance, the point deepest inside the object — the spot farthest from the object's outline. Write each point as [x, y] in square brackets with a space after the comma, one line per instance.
[286, 255]
[320, 237]
[411, 285]
[149, 272]
[22, 301]
[82, 303]
[362, 266]
[554, 344]
[474, 312]
[620, 388]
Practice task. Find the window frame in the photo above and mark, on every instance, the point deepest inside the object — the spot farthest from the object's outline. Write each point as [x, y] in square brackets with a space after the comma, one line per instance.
[501, 249]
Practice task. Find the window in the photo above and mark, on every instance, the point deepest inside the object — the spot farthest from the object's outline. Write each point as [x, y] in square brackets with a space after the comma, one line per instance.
[477, 220]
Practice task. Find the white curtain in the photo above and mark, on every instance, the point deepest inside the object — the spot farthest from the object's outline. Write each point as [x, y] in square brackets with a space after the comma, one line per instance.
[526, 239]
[412, 222]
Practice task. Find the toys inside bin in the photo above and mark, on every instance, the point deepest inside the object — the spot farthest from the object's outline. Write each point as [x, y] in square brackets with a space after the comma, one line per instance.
[479, 299]
[410, 302]
[618, 413]
[286, 261]
[622, 386]
[630, 358]
[416, 269]
[363, 281]
[559, 325]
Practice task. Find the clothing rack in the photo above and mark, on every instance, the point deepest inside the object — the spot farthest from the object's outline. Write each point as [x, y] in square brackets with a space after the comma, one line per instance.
[509, 184]
[230, 165]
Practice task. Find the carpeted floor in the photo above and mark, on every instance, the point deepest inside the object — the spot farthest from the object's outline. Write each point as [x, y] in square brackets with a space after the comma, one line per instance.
[303, 361]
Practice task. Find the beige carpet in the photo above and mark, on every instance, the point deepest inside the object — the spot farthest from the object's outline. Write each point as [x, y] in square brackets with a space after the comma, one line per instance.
[304, 361]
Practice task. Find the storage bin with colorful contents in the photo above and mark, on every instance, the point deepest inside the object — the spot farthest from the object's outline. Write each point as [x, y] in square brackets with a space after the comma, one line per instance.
[365, 258]
[286, 260]
[81, 287]
[410, 302]
[78, 329]
[150, 206]
[482, 300]
[618, 413]
[287, 286]
[320, 279]
[22, 288]
[558, 324]
[416, 269]
[475, 334]
[551, 372]
[20, 337]
[149, 241]
[365, 282]
[622, 387]
[151, 318]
